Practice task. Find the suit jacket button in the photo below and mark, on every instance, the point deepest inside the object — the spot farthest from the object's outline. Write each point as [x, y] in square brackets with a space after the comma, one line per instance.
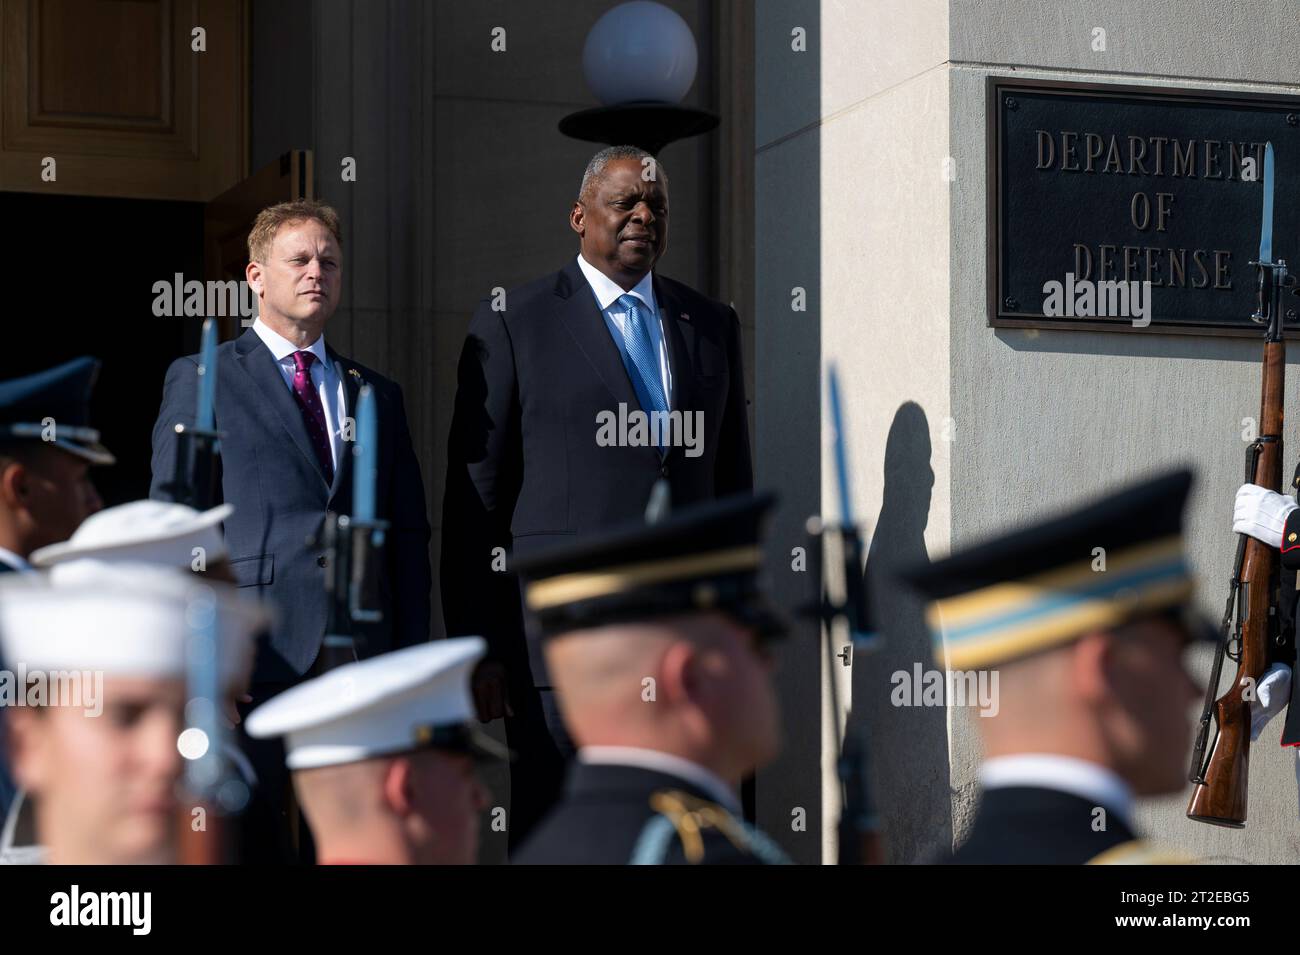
[321, 561]
[663, 470]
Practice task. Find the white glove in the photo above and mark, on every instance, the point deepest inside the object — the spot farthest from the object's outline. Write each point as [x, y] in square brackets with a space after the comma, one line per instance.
[1261, 513]
[1271, 695]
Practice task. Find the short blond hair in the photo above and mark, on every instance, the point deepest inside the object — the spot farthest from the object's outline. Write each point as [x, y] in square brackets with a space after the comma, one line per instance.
[269, 220]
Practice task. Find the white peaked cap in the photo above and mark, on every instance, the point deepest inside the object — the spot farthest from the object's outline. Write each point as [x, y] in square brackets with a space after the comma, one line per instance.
[123, 620]
[146, 532]
[388, 704]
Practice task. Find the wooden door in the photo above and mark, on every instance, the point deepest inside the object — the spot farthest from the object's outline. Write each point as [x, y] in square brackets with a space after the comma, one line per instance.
[146, 99]
[228, 218]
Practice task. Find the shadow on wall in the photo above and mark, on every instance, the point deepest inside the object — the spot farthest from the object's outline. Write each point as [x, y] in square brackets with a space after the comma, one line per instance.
[908, 744]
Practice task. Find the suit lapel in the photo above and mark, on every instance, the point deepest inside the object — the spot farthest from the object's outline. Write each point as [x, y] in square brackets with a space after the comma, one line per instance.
[259, 364]
[576, 308]
[677, 327]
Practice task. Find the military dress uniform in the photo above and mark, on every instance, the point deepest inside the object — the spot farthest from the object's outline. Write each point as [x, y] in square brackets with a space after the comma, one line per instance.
[1275, 519]
[1037, 590]
[388, 705]
[1027, 816]
[26, 404]
[1290, 544]
[154, 533]
[624, 805]
[392, 703]
[62, 394]
[618, 814]
[18, 842]
[127, 619]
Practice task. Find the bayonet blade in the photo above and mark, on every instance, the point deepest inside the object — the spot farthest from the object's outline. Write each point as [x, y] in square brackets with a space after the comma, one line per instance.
[841, 455]
[203, 418]
[365, 453]
[1266, 230]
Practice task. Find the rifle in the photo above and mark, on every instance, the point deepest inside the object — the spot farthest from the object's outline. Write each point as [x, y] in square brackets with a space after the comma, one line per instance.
[211, 787]
[214, 791]
[198, 448]
[352, 544]
[1252, 631]
[841, 605]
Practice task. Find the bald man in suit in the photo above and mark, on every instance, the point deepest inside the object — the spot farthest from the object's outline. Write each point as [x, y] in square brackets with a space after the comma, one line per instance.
[538, 450]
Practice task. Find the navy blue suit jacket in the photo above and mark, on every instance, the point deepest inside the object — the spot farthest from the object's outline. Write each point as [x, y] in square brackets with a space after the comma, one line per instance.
[271, 475]
[524, 468]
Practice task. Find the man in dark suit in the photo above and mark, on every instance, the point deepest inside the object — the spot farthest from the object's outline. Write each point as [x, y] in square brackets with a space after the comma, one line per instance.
[550, 441]
[658, 638]
[1083, 620]
[285, 403]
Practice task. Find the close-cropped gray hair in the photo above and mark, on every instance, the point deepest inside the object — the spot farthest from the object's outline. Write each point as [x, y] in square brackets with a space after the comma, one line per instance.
[596, 168]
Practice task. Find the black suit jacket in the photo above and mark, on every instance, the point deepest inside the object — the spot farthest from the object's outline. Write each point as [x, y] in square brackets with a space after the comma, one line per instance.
[1027, 825]
[524, 469]
[271, 475]
[605, 810]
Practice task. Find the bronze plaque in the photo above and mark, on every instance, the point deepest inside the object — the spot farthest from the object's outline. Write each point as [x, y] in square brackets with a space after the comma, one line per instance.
[1133, 208]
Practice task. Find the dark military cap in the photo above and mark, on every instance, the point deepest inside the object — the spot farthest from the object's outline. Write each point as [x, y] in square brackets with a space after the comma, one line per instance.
[61, 394]
[706, 557]
[1042, 586]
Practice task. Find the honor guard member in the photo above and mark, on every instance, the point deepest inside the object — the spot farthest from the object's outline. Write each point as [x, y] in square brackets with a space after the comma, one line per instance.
[1274, 519]
[95, 739]
[656, 637]
[383, 754]
[1084, 619]
[148, 532]
[46, 449]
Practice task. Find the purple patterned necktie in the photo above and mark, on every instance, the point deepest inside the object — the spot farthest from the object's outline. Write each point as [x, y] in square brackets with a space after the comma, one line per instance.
[313, 415]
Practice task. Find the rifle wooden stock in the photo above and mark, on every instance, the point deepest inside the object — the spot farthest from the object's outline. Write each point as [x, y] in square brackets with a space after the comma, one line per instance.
[202, 846]
[871, 848]
[1221, 799]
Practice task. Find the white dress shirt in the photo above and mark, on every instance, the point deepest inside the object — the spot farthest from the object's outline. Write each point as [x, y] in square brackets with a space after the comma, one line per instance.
[607, 292]
[710, 782]
[9, 558]
[1090, 781]
[328, 385]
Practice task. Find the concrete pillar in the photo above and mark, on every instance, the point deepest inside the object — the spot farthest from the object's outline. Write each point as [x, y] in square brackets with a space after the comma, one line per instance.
[870, 170]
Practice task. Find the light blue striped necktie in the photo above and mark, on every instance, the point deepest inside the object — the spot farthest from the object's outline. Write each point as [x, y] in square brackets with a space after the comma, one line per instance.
[642, 360]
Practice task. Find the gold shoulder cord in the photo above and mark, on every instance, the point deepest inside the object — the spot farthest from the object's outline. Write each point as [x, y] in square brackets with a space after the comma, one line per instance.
[691, 816]
[1141, 852]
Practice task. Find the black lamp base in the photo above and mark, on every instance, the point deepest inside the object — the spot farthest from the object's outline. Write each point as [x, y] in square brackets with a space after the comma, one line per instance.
[650, 126]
